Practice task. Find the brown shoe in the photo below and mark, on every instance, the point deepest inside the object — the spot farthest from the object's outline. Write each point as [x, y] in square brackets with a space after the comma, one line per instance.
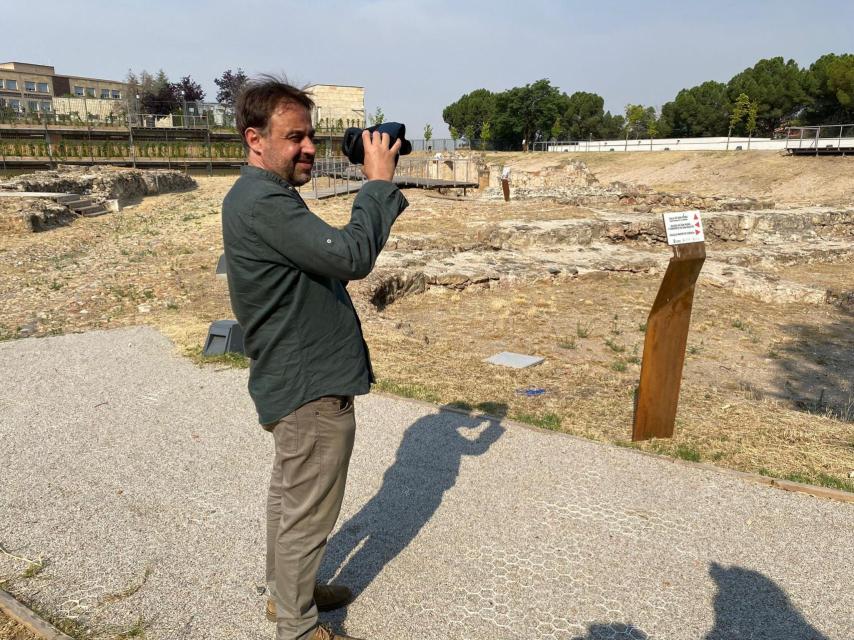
[323, 633]
[327, 597]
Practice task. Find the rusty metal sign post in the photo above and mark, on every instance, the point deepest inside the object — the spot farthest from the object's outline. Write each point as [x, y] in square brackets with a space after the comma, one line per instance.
[667, 329]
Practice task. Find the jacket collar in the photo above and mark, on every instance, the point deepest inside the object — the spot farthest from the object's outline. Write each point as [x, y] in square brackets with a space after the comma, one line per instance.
[256, 172]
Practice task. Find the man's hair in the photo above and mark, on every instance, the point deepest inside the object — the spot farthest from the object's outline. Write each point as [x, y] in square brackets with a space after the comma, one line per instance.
[260, 98]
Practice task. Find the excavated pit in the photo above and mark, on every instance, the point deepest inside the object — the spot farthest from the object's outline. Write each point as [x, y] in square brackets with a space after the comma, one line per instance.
[102, 183]
[748, 242]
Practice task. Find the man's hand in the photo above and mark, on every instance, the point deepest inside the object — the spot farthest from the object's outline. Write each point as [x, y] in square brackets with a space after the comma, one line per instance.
[380, 160]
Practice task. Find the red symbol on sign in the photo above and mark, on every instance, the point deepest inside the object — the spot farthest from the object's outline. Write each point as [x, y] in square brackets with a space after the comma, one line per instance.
[696, 217]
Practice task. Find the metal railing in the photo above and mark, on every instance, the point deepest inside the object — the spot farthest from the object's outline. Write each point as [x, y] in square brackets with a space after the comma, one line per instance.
[335, 175]
[821, 138]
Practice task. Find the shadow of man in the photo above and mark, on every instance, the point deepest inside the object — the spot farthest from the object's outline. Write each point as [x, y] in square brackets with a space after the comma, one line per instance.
[427, 464]
[749, 605]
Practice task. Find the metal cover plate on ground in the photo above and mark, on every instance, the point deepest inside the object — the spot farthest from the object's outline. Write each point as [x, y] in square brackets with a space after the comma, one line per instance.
[515, 360]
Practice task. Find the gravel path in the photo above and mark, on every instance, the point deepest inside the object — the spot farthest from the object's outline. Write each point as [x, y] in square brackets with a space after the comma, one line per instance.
[141, 479]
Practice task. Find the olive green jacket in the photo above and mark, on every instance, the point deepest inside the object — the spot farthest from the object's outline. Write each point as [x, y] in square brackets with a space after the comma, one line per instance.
[287, 276]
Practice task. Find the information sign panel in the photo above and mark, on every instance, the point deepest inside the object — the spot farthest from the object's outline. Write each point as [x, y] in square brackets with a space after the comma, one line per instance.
[683, 227]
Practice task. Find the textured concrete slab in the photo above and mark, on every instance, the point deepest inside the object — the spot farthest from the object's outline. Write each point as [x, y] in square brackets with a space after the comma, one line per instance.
[514, 360]
[140, 478]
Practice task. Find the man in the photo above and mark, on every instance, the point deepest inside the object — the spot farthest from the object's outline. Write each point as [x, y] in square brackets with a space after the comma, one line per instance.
[287, 277]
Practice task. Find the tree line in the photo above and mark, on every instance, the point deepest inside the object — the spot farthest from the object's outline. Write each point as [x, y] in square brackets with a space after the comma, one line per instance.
[154, 93]
[758, 101]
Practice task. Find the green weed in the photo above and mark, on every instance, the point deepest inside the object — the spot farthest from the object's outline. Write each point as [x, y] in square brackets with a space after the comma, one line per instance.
[549, 420]
[687, 452]
[407, 390]
[616, 348]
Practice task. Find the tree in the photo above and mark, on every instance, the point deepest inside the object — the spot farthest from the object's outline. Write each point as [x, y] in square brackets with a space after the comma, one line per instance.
[161, 80]
[652, 129]
[428, 132]
[378, 117]
[138, 87]
[830, 84]
[752, 112]
[612, 126]
[696, 112]
[634, 116]
[557, 129]
[472, 109]
[469, 135]
[485, 134]
[191, 91]
[777, 87]
[156, 94]
[526, 114]
[230, 85]
[584, 116]
[739, 110]
[455, 135]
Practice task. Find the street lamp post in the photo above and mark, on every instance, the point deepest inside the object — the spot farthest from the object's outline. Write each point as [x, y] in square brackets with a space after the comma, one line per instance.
[130, 131]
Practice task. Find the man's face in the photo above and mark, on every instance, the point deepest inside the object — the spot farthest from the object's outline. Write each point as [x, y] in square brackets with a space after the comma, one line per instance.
[288, 147]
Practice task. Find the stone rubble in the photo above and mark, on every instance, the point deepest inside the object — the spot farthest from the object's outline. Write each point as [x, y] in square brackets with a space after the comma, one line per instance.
[102, 183]
[741, 233]
[97, 184]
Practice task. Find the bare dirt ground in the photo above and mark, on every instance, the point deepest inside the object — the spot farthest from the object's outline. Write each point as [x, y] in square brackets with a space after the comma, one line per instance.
[767, 381]
[760, 174]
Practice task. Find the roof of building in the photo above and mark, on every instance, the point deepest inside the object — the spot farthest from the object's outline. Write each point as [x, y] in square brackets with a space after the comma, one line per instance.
[348, 86]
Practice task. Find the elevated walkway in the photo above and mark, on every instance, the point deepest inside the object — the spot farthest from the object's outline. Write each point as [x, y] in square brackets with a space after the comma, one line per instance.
[404, 182]
[823, 140]
[411, 173]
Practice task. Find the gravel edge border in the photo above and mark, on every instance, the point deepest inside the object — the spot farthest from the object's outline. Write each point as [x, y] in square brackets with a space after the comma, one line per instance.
[755, 478]
[25, 616]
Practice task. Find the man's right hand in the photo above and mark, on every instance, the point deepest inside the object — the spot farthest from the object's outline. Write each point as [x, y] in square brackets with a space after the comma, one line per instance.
[380, 160]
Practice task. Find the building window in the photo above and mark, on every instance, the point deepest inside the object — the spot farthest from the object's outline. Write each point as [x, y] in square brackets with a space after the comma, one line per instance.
[43, 88]
[15, 105]
[78, 91]
[105, 94]
[1, 83]
[46, 106]
[29, 85]
[32, 106]
[90, 91]
[12, 84]
[117, 94]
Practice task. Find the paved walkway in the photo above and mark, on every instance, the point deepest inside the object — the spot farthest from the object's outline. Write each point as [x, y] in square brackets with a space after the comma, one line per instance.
[120, 461]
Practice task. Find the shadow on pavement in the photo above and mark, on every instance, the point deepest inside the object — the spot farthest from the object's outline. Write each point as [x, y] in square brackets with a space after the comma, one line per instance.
[427, 464]
[749, 605]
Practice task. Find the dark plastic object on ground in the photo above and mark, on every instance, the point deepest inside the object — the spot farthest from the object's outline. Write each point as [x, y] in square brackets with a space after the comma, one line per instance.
[224, 336]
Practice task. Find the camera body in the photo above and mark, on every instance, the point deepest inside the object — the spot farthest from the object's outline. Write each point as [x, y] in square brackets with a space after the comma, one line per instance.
[353, 148]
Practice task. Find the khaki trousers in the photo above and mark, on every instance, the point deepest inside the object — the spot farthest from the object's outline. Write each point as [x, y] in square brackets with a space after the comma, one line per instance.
[313, 447]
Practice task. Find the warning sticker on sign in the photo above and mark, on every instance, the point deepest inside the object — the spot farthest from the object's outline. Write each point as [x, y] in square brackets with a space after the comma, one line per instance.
[683, 227]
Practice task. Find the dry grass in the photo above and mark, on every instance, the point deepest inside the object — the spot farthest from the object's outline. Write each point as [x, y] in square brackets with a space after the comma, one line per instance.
[733, 411]
[11, 630]
[765, 396]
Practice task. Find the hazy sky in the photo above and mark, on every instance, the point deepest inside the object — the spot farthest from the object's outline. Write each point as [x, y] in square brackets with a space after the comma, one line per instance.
[414, 58]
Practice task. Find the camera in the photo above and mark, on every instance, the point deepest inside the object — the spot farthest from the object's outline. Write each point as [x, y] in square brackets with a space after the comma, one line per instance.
[353, 148]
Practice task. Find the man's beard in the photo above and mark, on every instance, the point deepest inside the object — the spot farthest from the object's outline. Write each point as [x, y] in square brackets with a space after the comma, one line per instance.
[301, 174]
